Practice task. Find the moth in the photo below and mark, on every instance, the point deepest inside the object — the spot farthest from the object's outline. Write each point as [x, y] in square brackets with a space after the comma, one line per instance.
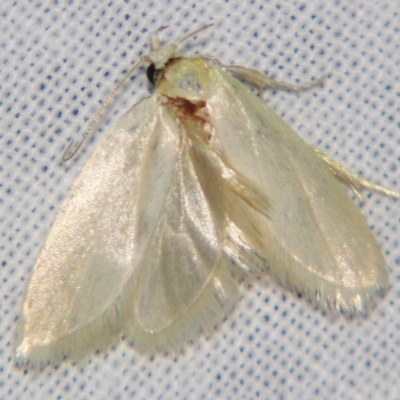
[197, 179]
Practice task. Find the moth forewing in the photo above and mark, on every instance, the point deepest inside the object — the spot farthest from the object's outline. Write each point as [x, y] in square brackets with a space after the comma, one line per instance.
[316, 239]
[188, 220]
[93, 251]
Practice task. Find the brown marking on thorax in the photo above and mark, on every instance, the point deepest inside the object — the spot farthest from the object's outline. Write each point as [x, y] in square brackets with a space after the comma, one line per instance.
[191, 114]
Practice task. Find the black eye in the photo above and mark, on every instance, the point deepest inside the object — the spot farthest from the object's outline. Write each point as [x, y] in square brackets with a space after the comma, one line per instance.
[151, 73]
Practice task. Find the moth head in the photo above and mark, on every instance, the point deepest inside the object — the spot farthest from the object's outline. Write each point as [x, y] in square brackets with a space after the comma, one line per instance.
[160, 55]
[158, 59]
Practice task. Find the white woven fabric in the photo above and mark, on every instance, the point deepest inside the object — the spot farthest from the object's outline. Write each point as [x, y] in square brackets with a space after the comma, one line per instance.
[58, 61]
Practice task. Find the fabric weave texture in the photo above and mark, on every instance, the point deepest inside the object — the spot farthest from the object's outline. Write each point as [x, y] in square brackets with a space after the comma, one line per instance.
[58, 62]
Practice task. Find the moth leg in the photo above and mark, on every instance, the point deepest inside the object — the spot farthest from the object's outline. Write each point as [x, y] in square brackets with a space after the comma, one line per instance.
[263, 81]
[354, 181]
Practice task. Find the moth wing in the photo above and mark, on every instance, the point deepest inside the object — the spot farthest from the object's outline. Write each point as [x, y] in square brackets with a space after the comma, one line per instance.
[184, 286]
[313, 238]
[74, 297]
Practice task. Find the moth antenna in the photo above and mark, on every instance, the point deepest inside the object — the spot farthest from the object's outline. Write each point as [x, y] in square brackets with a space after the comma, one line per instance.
[190, 34]
[100, 112]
